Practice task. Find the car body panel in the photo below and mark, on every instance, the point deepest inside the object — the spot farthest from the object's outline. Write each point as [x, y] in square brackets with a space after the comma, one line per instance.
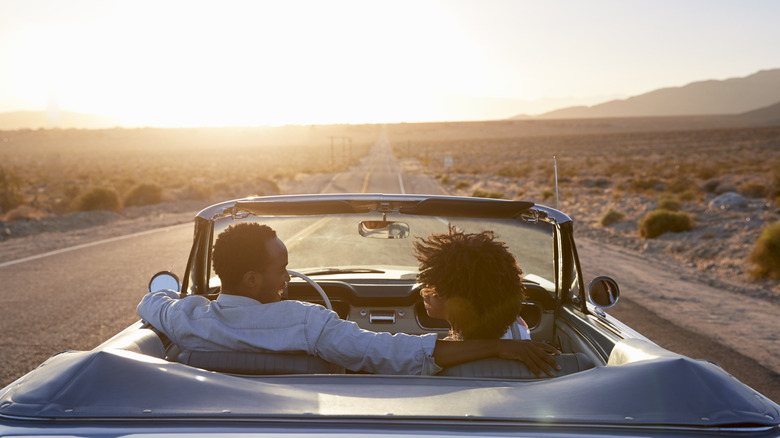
[134, 383]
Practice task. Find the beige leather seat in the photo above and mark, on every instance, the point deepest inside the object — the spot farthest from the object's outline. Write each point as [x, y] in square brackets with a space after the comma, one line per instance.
[505, 368]
[259, 363]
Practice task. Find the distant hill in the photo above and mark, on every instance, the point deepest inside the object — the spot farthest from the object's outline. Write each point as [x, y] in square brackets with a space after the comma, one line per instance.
[730, 96]
[67, 119]
[763, 116]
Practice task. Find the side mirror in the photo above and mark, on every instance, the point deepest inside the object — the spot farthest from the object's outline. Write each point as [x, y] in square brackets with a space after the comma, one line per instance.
[384, 229]
[603, 292]
[164, 280]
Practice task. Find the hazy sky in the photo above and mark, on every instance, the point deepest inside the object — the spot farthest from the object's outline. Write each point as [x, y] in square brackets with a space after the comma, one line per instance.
[188, 63]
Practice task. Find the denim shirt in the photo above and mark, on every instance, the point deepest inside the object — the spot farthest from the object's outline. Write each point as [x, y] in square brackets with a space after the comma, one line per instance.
[237, 323]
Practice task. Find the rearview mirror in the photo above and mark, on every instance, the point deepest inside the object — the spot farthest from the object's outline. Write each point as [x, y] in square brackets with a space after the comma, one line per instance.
[603, 292]
[384, 229]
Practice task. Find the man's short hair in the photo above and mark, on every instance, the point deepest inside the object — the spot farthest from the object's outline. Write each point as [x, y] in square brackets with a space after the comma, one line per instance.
[478, 276]
[239, 249]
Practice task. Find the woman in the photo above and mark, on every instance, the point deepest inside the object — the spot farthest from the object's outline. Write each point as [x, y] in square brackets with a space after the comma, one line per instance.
[474, 282]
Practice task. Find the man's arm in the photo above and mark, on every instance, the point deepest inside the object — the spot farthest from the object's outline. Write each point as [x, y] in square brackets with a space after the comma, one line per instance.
[537, 356]
[152, 307]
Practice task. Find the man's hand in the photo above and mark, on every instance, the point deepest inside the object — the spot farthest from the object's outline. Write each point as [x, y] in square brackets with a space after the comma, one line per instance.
[537, 356]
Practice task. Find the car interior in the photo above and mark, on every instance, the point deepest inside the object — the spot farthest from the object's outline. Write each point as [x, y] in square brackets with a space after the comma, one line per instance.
[393, 306]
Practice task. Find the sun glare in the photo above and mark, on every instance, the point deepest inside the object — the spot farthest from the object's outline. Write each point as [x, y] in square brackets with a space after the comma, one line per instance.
[242, 62]
[253, 63]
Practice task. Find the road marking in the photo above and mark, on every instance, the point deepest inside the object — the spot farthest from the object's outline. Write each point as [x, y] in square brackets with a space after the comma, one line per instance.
[330, 183]
[365, 183]
[306, 232]
[401, 183]
[87, 245]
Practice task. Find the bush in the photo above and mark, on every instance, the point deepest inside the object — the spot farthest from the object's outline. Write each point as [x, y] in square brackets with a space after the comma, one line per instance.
[668, 204]
[487, 194]
[641, 185]
[269, 186]
[547, 194]
[610, 217]
[753, 190]
[679, 185]
[98, 198]
[658, 222]
[711, 186]
[197, 192]
[10, 190]
[688, 196]
[144, 194]
[23, 212]
[706, 173]
[462, 184]
[766, 254]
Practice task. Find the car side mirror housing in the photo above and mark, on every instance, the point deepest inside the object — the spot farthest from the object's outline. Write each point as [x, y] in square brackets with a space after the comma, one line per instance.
[164, 280]
[603, 292]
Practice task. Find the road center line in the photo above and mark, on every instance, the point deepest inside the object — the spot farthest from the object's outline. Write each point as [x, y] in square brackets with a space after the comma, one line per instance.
[87, 245]
[306, 232]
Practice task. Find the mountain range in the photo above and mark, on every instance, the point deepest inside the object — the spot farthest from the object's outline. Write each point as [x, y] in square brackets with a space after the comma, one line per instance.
[712, 97]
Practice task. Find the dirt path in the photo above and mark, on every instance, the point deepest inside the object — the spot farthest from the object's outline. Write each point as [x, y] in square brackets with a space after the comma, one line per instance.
[665, 302]
[747, 325]
[672, 337]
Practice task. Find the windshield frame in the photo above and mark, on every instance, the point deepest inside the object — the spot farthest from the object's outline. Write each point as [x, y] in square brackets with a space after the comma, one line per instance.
[197, 277]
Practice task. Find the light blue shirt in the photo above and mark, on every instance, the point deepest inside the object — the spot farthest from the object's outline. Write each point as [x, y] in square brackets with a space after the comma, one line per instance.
[237, 323]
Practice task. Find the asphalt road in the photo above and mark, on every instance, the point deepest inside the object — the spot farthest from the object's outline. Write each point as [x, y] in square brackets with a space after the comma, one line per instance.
[76, 299]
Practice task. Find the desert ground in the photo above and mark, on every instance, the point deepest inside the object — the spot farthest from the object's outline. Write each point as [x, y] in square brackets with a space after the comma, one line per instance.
[726, 178]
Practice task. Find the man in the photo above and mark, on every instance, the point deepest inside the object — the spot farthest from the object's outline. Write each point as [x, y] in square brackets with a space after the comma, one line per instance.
[249, 315]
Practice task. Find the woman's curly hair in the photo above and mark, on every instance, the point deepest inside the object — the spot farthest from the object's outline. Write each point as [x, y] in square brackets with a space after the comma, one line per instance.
[239, 249]
[478, 276]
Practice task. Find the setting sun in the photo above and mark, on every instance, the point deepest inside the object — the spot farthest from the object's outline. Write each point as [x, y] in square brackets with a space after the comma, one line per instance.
[181, 63]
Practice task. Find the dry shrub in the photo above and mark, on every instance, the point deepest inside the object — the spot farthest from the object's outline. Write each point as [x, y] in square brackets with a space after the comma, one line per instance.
[679, 185]
[658, 222]
[10, 190]
[711, 186]
[668, 204]
[487, 194]
[753, 190]
[688, 196]
[144, 194]
[462, 184]
[766, 254]
[266, 187]
[547, 194]
[640, 184]
[196, 192]
[23, 212]
[98, 198]
[706, 173]
[610, 217]
[513, 171]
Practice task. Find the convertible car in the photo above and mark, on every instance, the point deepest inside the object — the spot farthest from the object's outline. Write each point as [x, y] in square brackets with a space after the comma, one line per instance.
[353, 253]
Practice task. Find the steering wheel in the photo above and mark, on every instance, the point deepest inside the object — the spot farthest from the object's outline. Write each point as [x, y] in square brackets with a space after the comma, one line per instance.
[314, 285]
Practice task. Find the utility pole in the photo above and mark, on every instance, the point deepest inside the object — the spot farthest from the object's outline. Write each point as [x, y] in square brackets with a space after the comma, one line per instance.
[332, 161]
